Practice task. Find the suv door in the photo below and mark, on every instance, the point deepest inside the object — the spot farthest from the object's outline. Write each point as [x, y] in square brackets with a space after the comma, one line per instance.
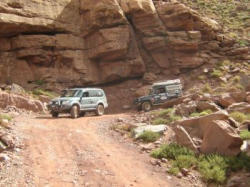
[85, 101]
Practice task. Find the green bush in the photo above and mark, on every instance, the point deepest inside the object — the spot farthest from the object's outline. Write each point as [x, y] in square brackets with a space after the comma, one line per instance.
[245, 135]
[39, 82]
[164, 112]
[203, 113]
[238, 116]
[173, 118]
[213, 167]
[39, 91]
[217, 73]
[158, 121]
[207, 88]
[149, 136]
[236, 163]
[185, 161]
[171, 151]
[174, 170]
[211, 173]
[5, 116]
[236, 79]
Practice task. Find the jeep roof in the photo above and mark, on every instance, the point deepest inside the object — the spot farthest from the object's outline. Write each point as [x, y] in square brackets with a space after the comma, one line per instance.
[169, 82]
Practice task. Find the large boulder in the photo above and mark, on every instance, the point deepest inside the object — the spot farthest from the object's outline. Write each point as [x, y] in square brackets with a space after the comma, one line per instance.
[225, 100]
[220, 137]
[208, 129]
[240, 107]
[21, 102]
[182, 137]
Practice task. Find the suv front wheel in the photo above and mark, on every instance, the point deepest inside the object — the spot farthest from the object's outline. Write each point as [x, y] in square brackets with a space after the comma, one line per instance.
[146, 106]
[74, 112]
[100, 110]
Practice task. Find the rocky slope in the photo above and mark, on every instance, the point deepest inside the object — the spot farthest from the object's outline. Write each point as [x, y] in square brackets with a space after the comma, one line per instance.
[78, 42]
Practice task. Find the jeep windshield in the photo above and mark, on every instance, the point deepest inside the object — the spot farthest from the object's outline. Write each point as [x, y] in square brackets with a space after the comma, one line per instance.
[71, 93]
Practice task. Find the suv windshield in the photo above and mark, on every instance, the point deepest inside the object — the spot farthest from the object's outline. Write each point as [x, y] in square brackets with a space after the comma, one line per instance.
[70, 93]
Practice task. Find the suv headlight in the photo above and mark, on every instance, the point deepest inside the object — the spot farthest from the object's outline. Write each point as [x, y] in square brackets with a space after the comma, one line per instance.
[66, 102]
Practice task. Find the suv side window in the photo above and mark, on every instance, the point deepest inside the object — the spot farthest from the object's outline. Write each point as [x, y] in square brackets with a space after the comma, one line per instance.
[95, 93]
[78, 93]
[160, 90]
[85, 94]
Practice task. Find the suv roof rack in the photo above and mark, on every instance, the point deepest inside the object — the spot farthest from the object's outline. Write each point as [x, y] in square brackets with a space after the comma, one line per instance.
[168, 82]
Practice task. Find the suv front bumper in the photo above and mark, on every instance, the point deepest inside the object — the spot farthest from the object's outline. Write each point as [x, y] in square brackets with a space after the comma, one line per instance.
[59, 108]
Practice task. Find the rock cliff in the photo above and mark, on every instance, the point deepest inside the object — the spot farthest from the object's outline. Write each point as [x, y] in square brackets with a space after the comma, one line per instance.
[80, 42]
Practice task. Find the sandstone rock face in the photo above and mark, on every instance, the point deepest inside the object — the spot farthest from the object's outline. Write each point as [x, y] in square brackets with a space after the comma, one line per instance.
[72, 42]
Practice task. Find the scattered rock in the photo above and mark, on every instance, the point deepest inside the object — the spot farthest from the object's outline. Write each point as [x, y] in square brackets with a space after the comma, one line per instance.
[225, 100]
[239, 180]
[155, 162]
[240, 107]
[184, 171]
[16, 89]
[206, 105]
[4, 157]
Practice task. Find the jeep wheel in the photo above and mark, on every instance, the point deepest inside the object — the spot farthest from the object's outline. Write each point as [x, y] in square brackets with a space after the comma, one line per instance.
[100, 110]
[54, 114]
[146, 106]
[74, 112]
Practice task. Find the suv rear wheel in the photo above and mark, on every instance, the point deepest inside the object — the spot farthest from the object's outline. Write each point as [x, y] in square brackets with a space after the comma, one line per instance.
[74, 112]
[146, 106]
[100, 110]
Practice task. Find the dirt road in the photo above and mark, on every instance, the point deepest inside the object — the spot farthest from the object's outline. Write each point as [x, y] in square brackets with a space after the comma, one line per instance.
[82, 152]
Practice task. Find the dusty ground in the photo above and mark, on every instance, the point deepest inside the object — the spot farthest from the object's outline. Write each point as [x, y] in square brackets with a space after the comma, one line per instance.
[82, 152]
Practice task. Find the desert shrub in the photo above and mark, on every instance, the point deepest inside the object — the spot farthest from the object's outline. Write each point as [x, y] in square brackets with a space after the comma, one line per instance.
[164, 112]
[236, 79]
[158, 121]
[173, 118]
[202, 77]
[185, 161]
[174, 170]
[245, 135]
[236, 163]
[149, 136]
[213, 167]
[203, 113]
[39, 82]
[238, 116]
[39, 91]
[171, 151]
[207, 88]
[5, 116]
[217, 73]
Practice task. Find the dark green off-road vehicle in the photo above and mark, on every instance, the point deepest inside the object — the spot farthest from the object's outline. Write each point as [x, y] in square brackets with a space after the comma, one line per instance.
[160, 93]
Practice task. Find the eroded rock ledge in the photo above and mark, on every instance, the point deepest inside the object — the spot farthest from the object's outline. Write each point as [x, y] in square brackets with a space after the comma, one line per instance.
[79, 42]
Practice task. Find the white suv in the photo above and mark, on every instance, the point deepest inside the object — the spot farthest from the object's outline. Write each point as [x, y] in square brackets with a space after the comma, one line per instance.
[77, 101]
